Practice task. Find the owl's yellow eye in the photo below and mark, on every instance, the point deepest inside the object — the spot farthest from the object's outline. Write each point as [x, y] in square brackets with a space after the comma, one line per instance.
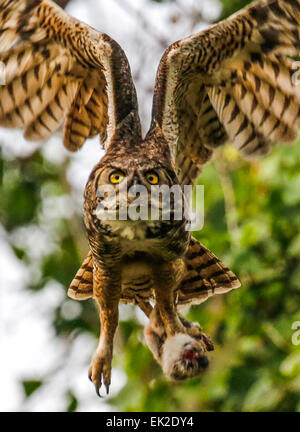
[116, 177]
[152, 178]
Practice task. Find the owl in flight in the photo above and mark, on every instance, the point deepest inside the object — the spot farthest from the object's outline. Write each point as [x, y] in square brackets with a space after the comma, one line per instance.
[232, 82]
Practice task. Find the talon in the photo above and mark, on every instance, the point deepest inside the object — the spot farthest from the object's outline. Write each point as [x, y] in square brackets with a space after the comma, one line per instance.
[107, 381]
[100, 370]
[208, 343]
[98, 391]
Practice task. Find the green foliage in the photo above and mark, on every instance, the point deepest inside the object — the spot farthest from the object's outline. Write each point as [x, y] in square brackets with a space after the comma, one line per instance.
[73, 403]
[31, 386]
[230, 6]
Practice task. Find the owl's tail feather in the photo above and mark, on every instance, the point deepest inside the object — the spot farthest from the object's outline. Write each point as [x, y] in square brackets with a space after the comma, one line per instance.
[81, 287]
[206, 275]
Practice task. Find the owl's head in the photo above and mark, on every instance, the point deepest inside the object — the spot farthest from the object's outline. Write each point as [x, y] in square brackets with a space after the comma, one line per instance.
[183, 357]
[147, 162]
[129, 186]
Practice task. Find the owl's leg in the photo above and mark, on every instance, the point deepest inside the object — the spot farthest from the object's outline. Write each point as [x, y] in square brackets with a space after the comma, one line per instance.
[156, 327]
[145, 306]
[155, 334]
[181, 355]
[167, 276]
[107, 292]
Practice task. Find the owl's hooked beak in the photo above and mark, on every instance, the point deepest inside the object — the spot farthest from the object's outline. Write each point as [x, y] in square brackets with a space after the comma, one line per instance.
[134, 183]
[133, 189]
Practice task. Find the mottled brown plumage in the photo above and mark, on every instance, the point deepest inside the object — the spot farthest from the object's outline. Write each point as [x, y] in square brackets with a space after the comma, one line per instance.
[232, 81]
[205, 275]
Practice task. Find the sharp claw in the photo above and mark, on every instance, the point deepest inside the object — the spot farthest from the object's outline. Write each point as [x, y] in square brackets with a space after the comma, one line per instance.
[99, 373]
[209, 344]
[98, 391]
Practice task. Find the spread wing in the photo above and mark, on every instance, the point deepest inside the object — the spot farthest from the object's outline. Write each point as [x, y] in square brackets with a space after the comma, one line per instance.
[59, 71]
[233, 81]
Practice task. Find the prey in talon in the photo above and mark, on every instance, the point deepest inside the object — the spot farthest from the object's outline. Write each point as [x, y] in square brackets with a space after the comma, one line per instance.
[181, 356]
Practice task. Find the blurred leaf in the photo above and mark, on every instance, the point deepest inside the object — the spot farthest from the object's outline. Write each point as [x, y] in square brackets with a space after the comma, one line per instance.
[73, 402]
[31, 386]
[262, 396]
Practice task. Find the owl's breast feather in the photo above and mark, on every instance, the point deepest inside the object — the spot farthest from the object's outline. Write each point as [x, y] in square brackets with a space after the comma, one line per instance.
[129, 230]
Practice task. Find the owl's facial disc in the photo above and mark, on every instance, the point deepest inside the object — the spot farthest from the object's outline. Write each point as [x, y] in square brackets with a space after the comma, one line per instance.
[129, 193]
[145, 175]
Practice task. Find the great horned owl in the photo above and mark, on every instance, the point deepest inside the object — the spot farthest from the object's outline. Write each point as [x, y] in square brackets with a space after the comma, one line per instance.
[233, 81]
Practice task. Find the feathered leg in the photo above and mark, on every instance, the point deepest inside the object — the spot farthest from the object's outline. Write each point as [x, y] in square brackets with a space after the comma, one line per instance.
[107, 292]
[167, 276]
